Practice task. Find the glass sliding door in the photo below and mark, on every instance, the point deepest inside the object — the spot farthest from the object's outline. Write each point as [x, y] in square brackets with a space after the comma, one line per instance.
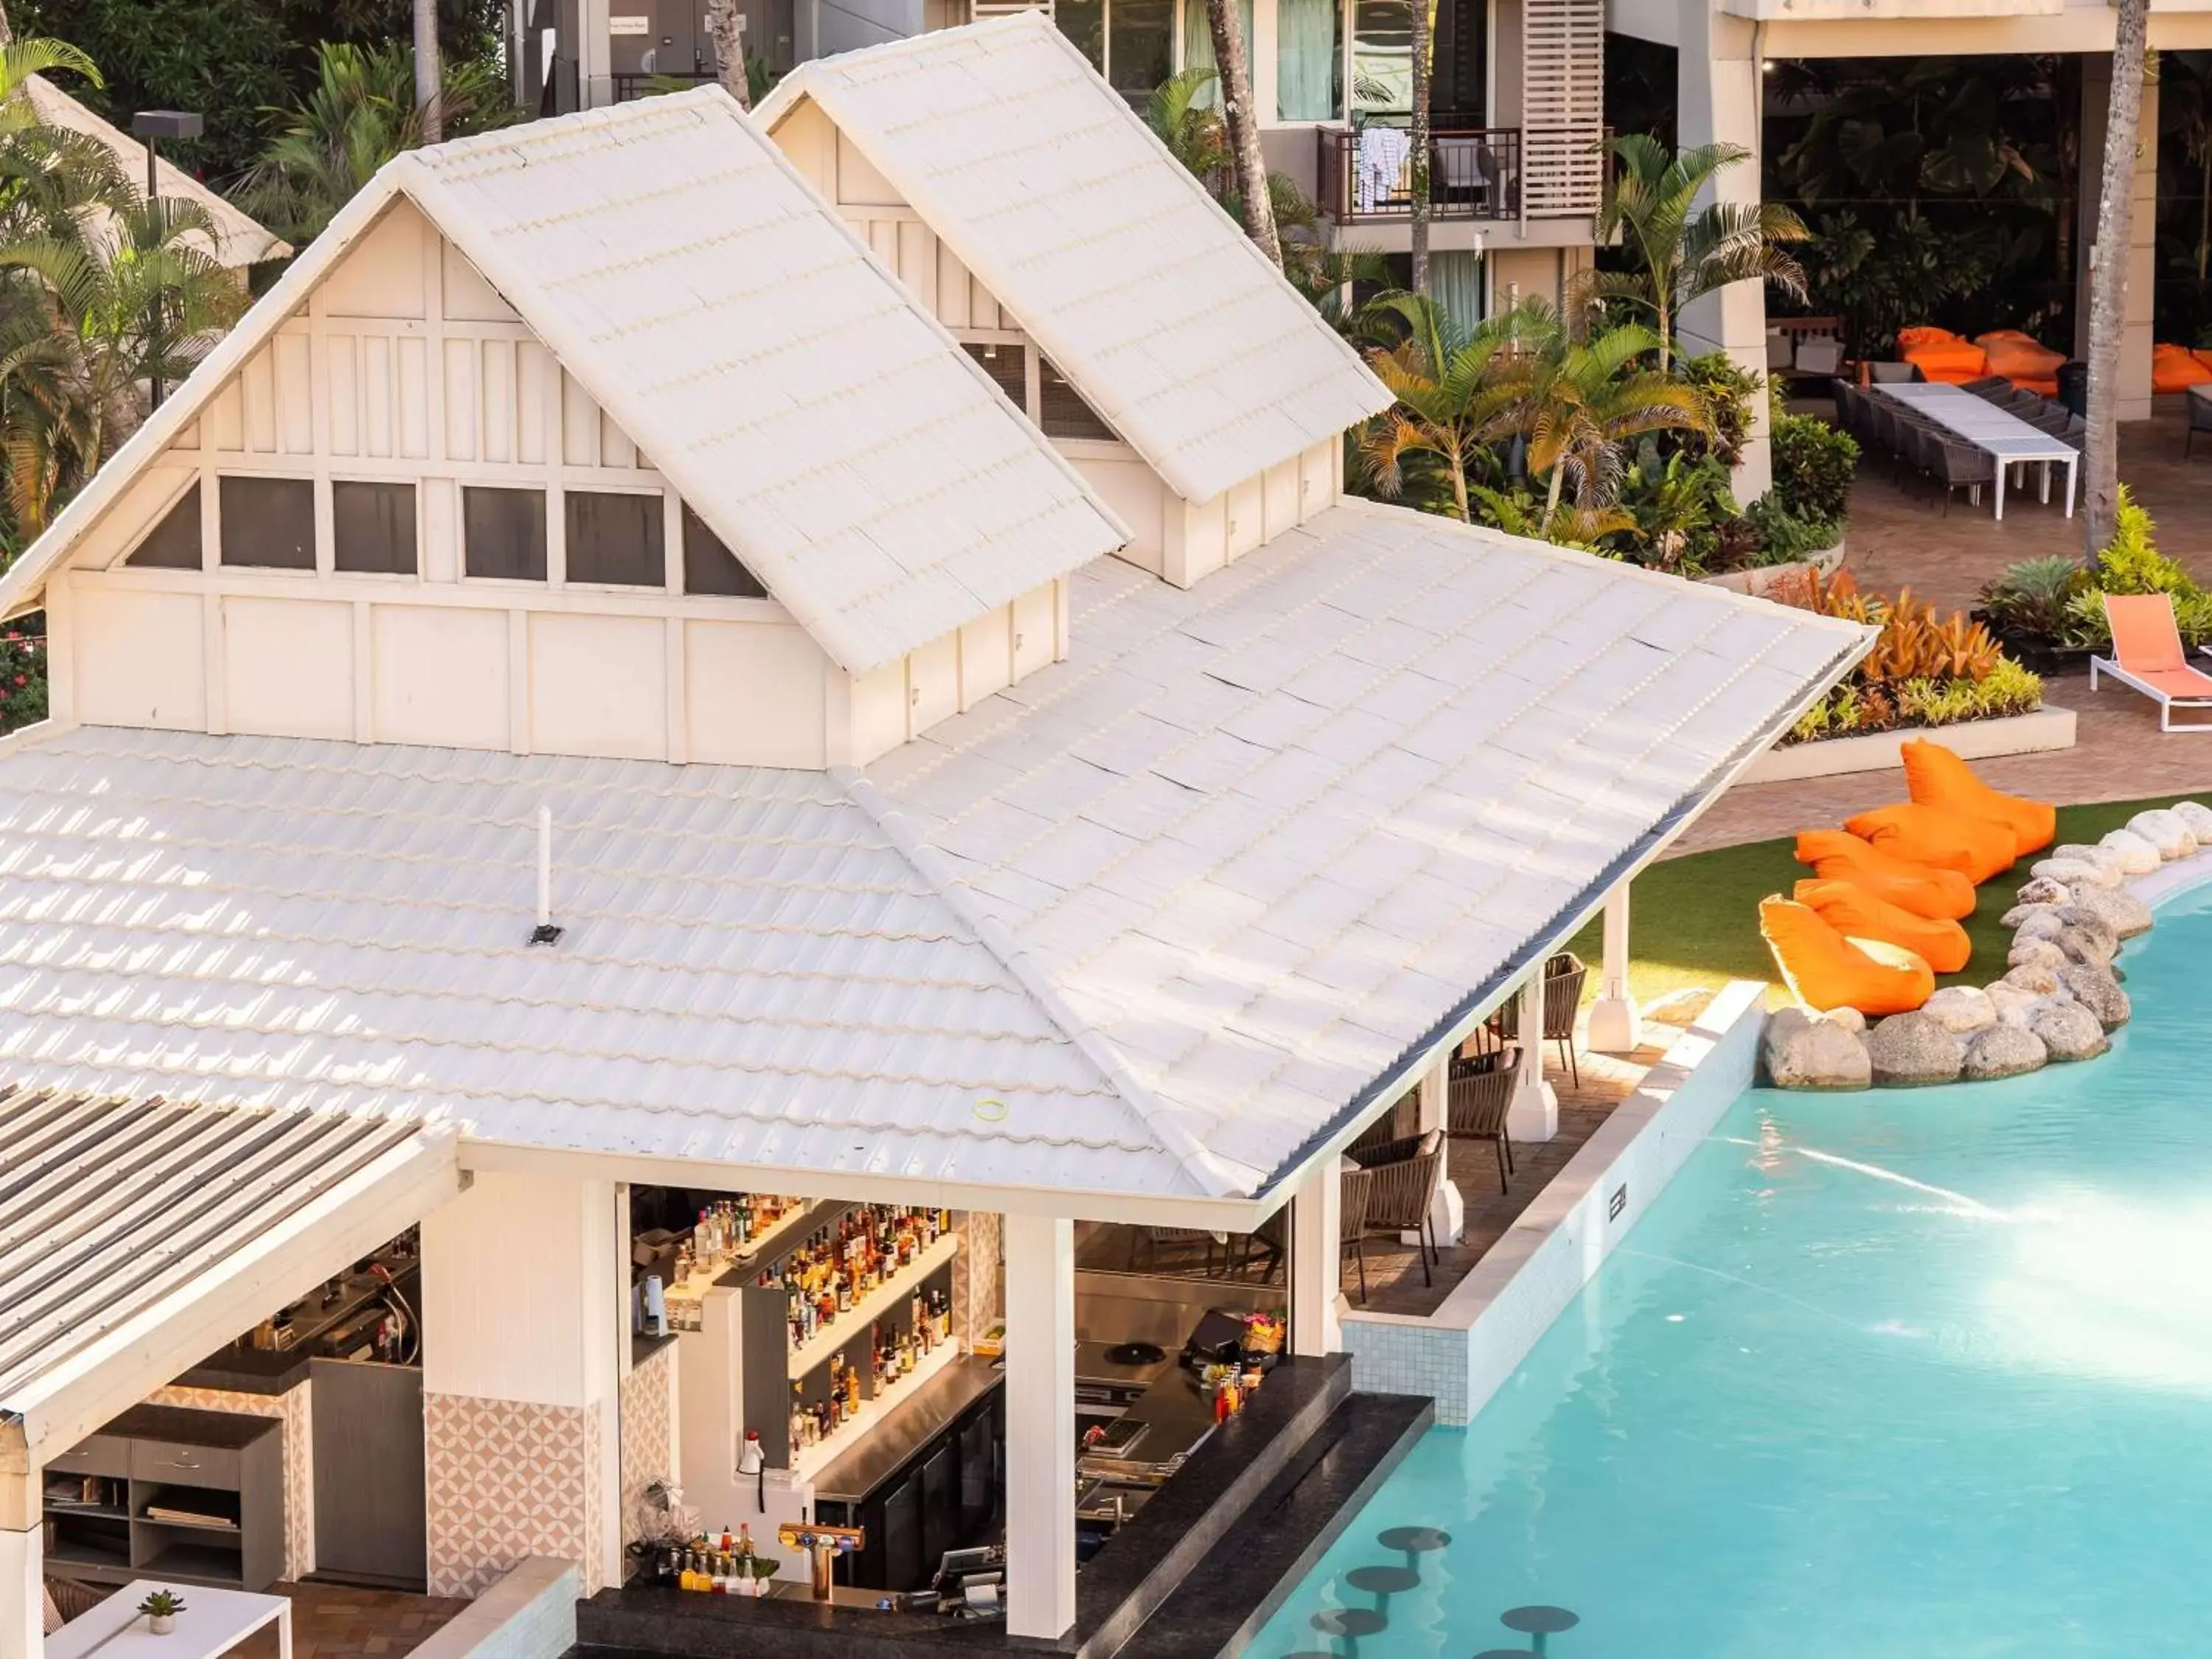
[1382, 58]
[1139, 46]
[1198, 44]
[1083, 21]
[1308, 60]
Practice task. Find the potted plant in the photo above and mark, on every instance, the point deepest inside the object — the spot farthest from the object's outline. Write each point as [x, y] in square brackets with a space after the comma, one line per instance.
[161, 1608]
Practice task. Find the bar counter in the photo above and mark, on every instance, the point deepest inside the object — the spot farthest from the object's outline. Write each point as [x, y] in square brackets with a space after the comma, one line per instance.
[889, 1445]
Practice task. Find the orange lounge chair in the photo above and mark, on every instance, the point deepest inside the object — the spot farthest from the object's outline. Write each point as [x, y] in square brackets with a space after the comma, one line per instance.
[1935, 776]
[1976, 848]
[1825, 969]
[2147, 657]
[1838, 855]
[1857, 914]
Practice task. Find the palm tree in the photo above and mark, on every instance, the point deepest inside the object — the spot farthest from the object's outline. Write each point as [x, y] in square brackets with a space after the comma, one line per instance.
[1678, 253]
[1192, 130]
[1580, 402]
[427, 87]
[1458, 392]
[2108, 276]
[729, 51]
[360, 113]
[1416, 141]
[134, 297]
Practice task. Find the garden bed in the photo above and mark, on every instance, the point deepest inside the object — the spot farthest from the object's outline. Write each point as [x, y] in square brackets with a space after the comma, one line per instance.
[2034, 732]
[1791, 583]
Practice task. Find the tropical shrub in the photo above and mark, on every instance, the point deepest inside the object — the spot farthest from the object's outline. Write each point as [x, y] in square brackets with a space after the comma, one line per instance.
[2055, 605]
[2029, 602]
[1786, 535]
[1728, 390]
[23, 679]
[1814, 464]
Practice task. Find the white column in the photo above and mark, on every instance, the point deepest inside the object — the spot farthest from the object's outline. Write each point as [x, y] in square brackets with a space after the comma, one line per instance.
[1040, 1425]
[22, 1602]
[1316, 1265]
[1718, 81]
[1615, 1027]
[1447, 1213]
[595, 61]
[1534, 1113]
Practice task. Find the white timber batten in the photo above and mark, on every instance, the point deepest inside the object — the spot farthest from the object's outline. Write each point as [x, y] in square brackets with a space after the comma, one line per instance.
[1563, 107]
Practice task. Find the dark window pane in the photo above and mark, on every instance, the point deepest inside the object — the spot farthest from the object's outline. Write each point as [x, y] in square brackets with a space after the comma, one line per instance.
[1004, 364]
[1062, 411]
[268, 523]
[615, 539]
[1083, 21]
[373, 527]
[503, 532]
[173, 544]
[1139, 46]
[711, 568]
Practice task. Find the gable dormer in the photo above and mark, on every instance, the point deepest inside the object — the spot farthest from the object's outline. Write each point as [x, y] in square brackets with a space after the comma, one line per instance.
[1019, 198]
[510, 461]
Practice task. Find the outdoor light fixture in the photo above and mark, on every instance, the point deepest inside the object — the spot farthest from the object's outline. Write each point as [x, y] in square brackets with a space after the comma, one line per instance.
[153, 125]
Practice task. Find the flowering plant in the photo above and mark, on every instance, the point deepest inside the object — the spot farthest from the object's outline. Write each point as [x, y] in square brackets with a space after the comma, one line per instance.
[23, 679]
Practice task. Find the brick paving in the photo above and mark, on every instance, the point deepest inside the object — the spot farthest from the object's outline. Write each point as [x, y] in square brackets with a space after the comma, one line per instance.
[1899, 540]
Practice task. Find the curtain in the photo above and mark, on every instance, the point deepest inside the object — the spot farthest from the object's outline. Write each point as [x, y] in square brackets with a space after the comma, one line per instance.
[1305, 60]
[1198, 45]
[1456, 281]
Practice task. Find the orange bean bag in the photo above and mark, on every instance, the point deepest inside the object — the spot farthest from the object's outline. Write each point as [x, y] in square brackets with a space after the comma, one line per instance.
[1825, 969]
[1935, 776]
[2020, 359]
[1947, 839]
[2173, 368]
[1957, 362]
[1834, 856]
[1857, 914]
[1925, 334]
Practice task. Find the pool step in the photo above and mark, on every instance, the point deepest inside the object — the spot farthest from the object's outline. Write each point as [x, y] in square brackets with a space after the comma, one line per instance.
[1237, 1585]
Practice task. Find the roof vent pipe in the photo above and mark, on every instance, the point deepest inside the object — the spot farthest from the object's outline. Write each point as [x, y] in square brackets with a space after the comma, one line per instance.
[546, 931]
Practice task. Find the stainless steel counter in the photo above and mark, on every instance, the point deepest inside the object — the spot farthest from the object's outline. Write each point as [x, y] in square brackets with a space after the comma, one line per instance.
[887, 1446]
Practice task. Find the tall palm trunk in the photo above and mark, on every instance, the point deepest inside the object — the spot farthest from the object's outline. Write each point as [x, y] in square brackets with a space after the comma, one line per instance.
[427, 76]
[1418, 142]
[1233, 69]
[2108, 276]
[729, 49]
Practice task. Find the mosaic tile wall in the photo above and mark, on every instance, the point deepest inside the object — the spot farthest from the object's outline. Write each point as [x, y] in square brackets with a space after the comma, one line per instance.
[975, 1278]
[509, 1479]
[295, 1410]
[649, 1432]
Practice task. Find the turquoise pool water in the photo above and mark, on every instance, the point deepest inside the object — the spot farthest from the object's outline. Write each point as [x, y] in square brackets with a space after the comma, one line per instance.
[1897, 1375]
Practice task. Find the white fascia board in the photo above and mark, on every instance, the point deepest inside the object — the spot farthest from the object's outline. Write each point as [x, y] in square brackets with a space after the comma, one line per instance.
[231, 1294]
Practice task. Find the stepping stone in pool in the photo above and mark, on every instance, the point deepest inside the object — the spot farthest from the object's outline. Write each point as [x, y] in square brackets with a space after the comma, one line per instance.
[1383, 1583]
[1539, 1623]
[1350, 1624]
[1413, 1540]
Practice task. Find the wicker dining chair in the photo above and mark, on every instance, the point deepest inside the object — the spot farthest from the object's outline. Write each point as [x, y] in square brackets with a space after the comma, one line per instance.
[1407, 1173]
[1477, 1100]
[1355, 1189]
[1563, 973]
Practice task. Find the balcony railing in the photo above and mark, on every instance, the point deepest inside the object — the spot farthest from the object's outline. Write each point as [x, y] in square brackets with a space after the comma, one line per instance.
[640, 83]
[1367, 177]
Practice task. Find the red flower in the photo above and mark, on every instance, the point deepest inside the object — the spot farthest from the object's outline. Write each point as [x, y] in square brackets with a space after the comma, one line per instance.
[19, 680]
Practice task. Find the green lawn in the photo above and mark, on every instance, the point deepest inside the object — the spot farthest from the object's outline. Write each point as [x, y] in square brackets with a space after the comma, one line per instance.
[1695, 921]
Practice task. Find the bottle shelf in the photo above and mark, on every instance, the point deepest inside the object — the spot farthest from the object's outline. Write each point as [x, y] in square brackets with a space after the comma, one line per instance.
[833, 1337]
[810, 1461]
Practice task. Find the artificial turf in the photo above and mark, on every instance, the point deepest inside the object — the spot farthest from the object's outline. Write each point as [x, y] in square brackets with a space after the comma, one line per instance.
[1695, 921]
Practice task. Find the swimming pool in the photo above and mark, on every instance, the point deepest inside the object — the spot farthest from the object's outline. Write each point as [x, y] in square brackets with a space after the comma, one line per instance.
[1905, 1372]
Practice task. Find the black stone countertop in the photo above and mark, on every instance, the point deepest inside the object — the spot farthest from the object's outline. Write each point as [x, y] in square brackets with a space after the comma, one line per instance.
[889, 1444]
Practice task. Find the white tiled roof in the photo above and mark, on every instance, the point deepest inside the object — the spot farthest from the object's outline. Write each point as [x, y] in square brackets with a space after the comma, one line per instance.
[241, 240]
[1145, 923]
[828, 429]
[1136, 285]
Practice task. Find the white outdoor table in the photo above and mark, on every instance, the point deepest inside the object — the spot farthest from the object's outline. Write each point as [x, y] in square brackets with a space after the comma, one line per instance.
[1997, 432]
[214, 1621]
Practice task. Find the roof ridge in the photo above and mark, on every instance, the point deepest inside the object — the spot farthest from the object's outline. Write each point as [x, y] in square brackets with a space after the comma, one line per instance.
[930, 865]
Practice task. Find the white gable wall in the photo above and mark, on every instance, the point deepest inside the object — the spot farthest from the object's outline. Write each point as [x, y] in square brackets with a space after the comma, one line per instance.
[405, 366]
[1180, 540]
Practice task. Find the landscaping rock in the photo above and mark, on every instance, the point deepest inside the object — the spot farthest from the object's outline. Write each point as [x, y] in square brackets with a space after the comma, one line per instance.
[2035, 953]
[2015, 1004]
[2165, 831]
[2117, 907]
[2080, 917]
[2046, 922]
[1680, 1007]
[2036, 978]
[2041, 889]
[1805, 1053]
[2197, 815]
[2098, 992]
[1960, 1008]
[2138, 854]
[2089, 853]
[2020, 915]
[2070, 870]
[1850, 1019]
[2004, 1051]
[2070, 1031]
[2094, 946]
[1906, 1050]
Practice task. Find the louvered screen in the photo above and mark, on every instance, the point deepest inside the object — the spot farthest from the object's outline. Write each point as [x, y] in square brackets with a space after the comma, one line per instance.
[1062, 411]
[1563, 106]
[980, 9]
[1004, 364]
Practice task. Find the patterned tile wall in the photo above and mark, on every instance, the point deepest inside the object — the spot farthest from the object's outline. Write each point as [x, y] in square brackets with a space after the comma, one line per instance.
[649, 1432]
[509, 1479]
[976, 1279]
[295, 1410]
